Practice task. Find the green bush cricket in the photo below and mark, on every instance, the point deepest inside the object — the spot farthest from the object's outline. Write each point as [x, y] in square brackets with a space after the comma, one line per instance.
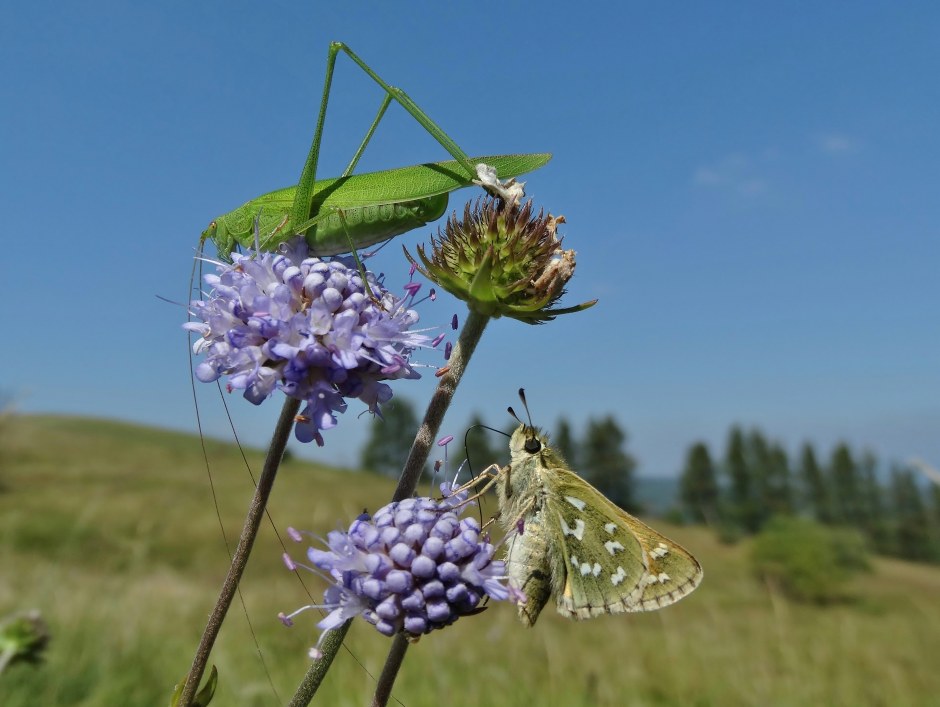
[358, 210]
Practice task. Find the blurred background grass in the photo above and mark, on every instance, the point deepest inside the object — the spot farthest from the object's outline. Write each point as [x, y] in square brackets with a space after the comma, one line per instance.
[108, 529]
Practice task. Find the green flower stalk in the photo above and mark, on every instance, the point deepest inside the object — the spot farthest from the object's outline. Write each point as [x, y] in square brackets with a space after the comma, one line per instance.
[502, 261]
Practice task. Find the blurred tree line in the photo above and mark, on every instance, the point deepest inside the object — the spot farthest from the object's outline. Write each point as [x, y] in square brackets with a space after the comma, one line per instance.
[599, 456]
[753, 482]
[756, 481]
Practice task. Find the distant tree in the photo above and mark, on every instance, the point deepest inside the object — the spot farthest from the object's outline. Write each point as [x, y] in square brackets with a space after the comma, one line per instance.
[912, 533]
[757, 454]
[6, 414]
[564, 442]
[778, 484]
[390, 438]
[934, 494]
[740, 509]
[606, 465]
[815, 497]
[871, 498]
[843, 472]
[935, 503]
[698, 485]
[769, 473]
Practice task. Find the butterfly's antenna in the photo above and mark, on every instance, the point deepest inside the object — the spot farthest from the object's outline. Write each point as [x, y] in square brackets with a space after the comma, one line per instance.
[519, 419]
[532, 443]
[467, 435]
[487, 427]
[525, 405]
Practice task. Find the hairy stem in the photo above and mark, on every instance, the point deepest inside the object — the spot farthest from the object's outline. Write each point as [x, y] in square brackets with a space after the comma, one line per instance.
[420, 450]
[245, 541]
[393, 661]
[317, 670]
[417, 457]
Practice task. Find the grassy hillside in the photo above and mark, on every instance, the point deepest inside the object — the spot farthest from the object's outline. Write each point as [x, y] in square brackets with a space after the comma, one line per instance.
[110, 531]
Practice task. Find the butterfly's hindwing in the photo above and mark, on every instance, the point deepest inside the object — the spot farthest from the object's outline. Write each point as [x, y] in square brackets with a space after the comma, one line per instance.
[673, 571]
[528, 569]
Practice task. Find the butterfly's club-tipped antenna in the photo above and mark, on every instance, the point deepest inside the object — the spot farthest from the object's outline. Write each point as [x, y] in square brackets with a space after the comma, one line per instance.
[532, 444]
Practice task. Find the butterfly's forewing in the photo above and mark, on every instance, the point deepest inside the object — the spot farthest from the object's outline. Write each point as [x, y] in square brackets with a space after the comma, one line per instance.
[604, 563]
[615, 563]
[577, 546]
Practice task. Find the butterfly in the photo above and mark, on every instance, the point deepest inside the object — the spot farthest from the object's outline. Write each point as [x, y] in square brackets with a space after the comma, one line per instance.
[576, 546]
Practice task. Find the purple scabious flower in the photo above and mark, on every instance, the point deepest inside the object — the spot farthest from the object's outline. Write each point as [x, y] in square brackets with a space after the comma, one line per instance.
[414, 567]
[307, 326]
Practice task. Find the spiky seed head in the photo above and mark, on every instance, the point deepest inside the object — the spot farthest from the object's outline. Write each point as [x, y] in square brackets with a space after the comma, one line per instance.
[502, 260]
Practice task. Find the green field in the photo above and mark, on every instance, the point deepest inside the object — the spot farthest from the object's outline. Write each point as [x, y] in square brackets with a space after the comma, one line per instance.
[109, 530]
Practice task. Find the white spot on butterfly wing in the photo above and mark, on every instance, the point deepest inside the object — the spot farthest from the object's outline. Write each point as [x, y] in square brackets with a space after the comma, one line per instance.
[576, 502]
[596, 570]
[610, 527]
[585, 568]
[618, 576]
[659, 551]
[660, 578]
[612, 546]
[577, 531]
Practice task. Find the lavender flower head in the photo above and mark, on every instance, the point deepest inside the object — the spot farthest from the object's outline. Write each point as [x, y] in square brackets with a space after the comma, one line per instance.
[307, 326]
[414, 567]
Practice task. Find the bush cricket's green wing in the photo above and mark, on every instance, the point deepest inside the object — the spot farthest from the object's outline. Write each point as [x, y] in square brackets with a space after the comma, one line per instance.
[415, 182]
[415, 187]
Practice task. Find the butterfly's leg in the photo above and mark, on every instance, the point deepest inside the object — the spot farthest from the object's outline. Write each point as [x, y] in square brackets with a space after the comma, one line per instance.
[520, 525]
[492, 471]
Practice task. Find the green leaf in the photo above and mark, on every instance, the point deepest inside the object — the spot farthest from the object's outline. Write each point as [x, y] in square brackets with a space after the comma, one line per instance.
[204, 696]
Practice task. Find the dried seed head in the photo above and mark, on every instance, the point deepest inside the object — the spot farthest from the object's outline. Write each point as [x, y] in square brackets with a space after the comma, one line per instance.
[502, 261]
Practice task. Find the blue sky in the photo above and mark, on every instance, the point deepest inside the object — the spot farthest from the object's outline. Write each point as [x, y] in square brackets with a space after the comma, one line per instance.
[751, 189]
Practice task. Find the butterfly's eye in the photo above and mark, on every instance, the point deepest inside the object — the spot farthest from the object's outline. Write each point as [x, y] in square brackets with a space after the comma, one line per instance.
[532, 445]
